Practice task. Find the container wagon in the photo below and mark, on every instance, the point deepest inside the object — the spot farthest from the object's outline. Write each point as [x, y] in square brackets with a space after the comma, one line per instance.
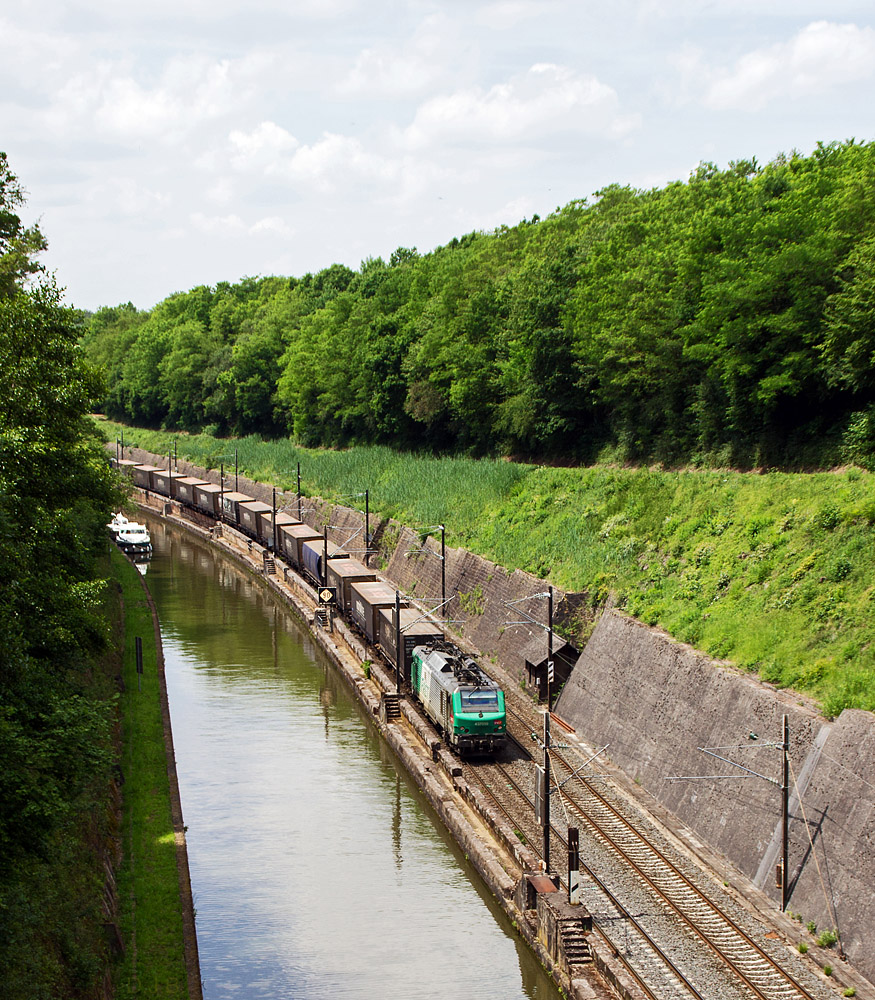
[416, 630]
[365, 602]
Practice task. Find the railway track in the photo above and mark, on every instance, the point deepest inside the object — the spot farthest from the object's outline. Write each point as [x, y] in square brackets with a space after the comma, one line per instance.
[644, 961]
[667, 930]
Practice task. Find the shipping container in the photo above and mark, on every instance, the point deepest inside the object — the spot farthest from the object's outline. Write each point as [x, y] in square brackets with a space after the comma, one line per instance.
[162, 482]
[124, 465]
[231, 500]
[184, 487]
[142, 475]
[265, 526]
[342, 573]
[206, 498]
[292, 537]
[313, 557]
[365, 602]
[248, 516]
[417, 629]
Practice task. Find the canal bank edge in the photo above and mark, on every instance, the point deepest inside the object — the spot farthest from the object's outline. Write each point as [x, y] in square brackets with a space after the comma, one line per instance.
[489, 845]
[189, 930]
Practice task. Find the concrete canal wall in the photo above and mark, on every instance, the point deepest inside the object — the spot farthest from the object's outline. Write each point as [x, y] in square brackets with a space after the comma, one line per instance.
[656, 702]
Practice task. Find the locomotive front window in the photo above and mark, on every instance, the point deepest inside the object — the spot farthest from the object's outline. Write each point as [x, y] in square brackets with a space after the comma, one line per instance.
[479, 701]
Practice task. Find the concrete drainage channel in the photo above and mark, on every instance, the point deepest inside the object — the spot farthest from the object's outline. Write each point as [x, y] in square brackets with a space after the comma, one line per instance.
[538, 908]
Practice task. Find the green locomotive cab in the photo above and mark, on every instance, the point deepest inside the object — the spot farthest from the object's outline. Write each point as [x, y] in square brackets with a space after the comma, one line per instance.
[479, 719]
[463, 702]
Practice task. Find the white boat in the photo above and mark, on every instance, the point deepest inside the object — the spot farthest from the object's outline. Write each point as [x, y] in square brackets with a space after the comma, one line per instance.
[129, 535]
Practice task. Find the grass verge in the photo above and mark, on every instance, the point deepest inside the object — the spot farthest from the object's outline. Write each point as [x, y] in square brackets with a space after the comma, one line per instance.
[148, 885]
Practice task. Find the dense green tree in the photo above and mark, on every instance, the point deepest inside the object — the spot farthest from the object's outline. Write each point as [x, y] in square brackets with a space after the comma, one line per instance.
[723, 318]
[19, 245]
[56, 493]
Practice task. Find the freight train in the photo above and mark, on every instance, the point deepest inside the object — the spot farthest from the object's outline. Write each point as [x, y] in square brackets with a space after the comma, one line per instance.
[464, 704]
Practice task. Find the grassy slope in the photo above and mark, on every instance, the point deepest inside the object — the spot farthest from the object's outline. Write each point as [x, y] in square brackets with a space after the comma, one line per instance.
[773, 572]
[154, 960]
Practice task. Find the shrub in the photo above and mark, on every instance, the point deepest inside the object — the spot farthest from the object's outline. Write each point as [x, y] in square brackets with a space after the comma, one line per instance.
[827, 939]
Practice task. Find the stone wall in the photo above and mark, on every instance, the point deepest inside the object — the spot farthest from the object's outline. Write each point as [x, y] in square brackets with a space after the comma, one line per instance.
[657, 702]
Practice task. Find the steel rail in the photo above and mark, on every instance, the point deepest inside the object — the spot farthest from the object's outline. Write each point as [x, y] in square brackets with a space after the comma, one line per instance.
[782, 983]
[657, 952]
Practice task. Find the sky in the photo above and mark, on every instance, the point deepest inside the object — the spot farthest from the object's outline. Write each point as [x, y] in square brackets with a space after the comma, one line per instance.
[176, 143]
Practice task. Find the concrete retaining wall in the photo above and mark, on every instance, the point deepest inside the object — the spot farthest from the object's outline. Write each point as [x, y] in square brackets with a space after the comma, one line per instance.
[656, 702]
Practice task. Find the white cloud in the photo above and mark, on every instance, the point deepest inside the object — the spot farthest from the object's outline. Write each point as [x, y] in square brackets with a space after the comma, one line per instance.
[134, 200]
[509, 13]
[261, 149]
[334, 160]
[821, 57]
[217, 225]
[233, 225]
[272, 225]
[544, 100]
[110, 100]
[406, 68]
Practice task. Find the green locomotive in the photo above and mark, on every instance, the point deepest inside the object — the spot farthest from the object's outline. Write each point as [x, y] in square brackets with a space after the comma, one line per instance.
[465, 704]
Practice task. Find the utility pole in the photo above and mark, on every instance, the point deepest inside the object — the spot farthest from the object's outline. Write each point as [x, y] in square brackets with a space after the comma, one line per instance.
[236, 487]
[367, 530]
[299, 491]
[783, 882]
[785, 814]
[573, 865]
[221, 491]
[547, 792]
[274, 519]
[399, 653]
[443, 567]
[549, 646]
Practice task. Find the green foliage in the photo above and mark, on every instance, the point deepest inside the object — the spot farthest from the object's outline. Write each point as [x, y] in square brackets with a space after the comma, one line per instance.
[827, 939]
[727, 320]
[18, 245]
[56, 494]
[150, 916]
[772, 572]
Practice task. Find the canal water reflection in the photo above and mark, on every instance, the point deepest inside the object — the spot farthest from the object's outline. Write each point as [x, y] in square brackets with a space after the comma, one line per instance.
[317, 869]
